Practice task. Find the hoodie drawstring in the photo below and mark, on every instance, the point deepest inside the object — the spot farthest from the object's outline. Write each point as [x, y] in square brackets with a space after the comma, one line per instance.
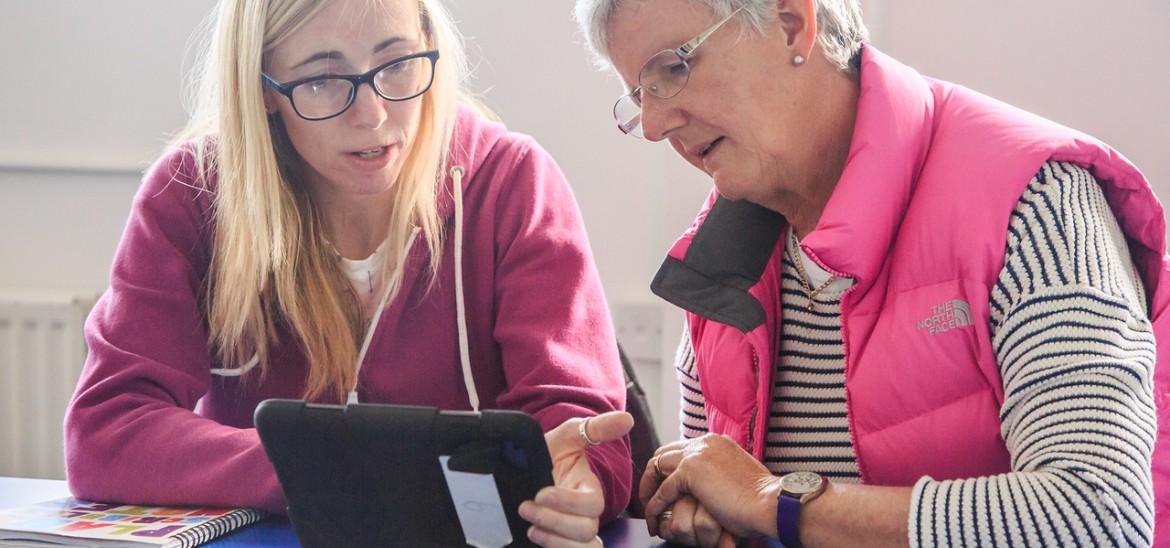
[460, 307]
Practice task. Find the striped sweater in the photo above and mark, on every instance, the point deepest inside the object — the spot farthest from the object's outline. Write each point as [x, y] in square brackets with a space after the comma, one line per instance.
[1076, 356]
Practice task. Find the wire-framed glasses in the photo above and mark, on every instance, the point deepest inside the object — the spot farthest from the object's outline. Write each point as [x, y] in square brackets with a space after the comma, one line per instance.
[328, 95]
[663, 75]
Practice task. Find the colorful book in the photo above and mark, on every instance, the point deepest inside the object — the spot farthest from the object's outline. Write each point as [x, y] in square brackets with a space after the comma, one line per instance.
[72, 522]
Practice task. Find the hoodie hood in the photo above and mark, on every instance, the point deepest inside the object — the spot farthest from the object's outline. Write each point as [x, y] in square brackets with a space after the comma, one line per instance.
[473, 139]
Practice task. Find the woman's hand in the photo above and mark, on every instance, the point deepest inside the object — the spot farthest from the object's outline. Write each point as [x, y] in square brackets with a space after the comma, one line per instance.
[566, 514]
[687, 522]
[725, 484]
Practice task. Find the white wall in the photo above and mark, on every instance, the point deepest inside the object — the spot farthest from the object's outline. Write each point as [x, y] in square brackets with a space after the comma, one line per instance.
[98, 90]
[1097, 67]
[88, 92]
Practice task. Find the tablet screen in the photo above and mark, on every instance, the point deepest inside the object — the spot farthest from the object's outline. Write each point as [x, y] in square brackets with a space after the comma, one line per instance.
[391, 475]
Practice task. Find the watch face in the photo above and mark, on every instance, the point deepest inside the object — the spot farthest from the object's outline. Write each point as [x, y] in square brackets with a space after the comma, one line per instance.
[799, 483]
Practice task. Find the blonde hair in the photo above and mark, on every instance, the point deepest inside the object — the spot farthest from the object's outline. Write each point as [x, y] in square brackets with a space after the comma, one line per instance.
[840, 29]
[271, 266]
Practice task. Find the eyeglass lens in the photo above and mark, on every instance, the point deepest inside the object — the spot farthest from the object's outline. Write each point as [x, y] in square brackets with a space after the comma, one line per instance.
[665, 74]
[628, 112]
[330, 95]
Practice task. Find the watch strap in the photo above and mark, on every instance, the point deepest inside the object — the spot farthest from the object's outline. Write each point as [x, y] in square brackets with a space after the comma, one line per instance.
[787, 520]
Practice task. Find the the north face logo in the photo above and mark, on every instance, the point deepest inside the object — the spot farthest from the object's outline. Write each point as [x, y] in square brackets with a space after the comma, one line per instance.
[946, 316]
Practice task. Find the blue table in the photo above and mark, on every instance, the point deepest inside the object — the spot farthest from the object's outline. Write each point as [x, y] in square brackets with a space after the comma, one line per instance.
[276, 531]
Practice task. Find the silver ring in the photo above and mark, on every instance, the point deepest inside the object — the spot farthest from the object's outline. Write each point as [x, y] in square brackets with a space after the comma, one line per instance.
[665, 515]
[584, 436]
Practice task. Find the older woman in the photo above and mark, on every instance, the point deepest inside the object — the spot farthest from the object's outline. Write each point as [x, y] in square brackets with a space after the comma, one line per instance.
[915, 315]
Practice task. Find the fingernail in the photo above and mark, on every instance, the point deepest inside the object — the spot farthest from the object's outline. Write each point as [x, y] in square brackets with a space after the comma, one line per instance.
[543, 496]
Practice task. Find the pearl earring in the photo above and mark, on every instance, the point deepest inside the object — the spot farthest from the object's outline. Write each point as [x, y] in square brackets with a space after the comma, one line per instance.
[798, 60]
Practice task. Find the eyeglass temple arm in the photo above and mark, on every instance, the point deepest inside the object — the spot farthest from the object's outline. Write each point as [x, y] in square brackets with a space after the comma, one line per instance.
[268, 81]
[685, 50]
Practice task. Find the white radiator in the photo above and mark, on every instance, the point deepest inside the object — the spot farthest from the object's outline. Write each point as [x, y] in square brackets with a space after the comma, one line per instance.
[42, 350]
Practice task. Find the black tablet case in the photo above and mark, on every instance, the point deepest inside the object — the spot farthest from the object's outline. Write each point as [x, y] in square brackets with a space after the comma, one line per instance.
[369, 474]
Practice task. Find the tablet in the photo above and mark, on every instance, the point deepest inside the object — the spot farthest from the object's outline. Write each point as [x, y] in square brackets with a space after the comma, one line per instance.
[393, 475]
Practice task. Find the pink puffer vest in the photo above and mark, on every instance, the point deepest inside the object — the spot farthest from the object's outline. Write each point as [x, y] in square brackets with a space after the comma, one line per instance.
[919, 219]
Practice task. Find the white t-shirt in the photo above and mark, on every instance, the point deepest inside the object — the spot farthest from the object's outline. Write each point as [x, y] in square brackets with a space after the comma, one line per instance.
[368, 277]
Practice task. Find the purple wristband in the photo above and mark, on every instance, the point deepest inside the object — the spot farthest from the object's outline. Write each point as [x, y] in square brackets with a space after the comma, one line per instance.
[787, 520]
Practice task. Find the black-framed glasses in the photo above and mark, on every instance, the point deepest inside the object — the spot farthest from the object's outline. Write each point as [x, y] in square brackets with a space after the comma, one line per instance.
[663, 75]
[329, 95]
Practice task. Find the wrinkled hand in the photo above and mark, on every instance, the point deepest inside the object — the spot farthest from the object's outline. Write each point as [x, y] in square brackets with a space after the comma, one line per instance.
[691, 524]
[566, 513]
[726, 483]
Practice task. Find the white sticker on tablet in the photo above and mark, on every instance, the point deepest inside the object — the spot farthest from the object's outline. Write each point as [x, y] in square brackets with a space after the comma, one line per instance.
[477, 502]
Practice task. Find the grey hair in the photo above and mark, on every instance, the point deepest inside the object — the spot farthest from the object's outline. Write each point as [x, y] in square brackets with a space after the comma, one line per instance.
[840, 29]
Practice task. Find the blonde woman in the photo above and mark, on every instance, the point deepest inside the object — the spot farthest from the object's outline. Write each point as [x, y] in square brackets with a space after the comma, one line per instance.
[336, 224]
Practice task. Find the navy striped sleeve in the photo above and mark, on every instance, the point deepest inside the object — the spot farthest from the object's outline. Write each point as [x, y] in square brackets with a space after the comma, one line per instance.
[1076, 355]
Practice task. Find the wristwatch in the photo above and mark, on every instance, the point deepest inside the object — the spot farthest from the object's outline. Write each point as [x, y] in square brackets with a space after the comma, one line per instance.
[796, 489]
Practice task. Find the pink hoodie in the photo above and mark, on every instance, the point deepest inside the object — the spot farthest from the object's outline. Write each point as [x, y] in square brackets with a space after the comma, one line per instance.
[539, 335]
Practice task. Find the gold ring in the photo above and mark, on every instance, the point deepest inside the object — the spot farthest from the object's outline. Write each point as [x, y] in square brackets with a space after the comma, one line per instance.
[658, 470]
[665, 515]
[584, 436]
